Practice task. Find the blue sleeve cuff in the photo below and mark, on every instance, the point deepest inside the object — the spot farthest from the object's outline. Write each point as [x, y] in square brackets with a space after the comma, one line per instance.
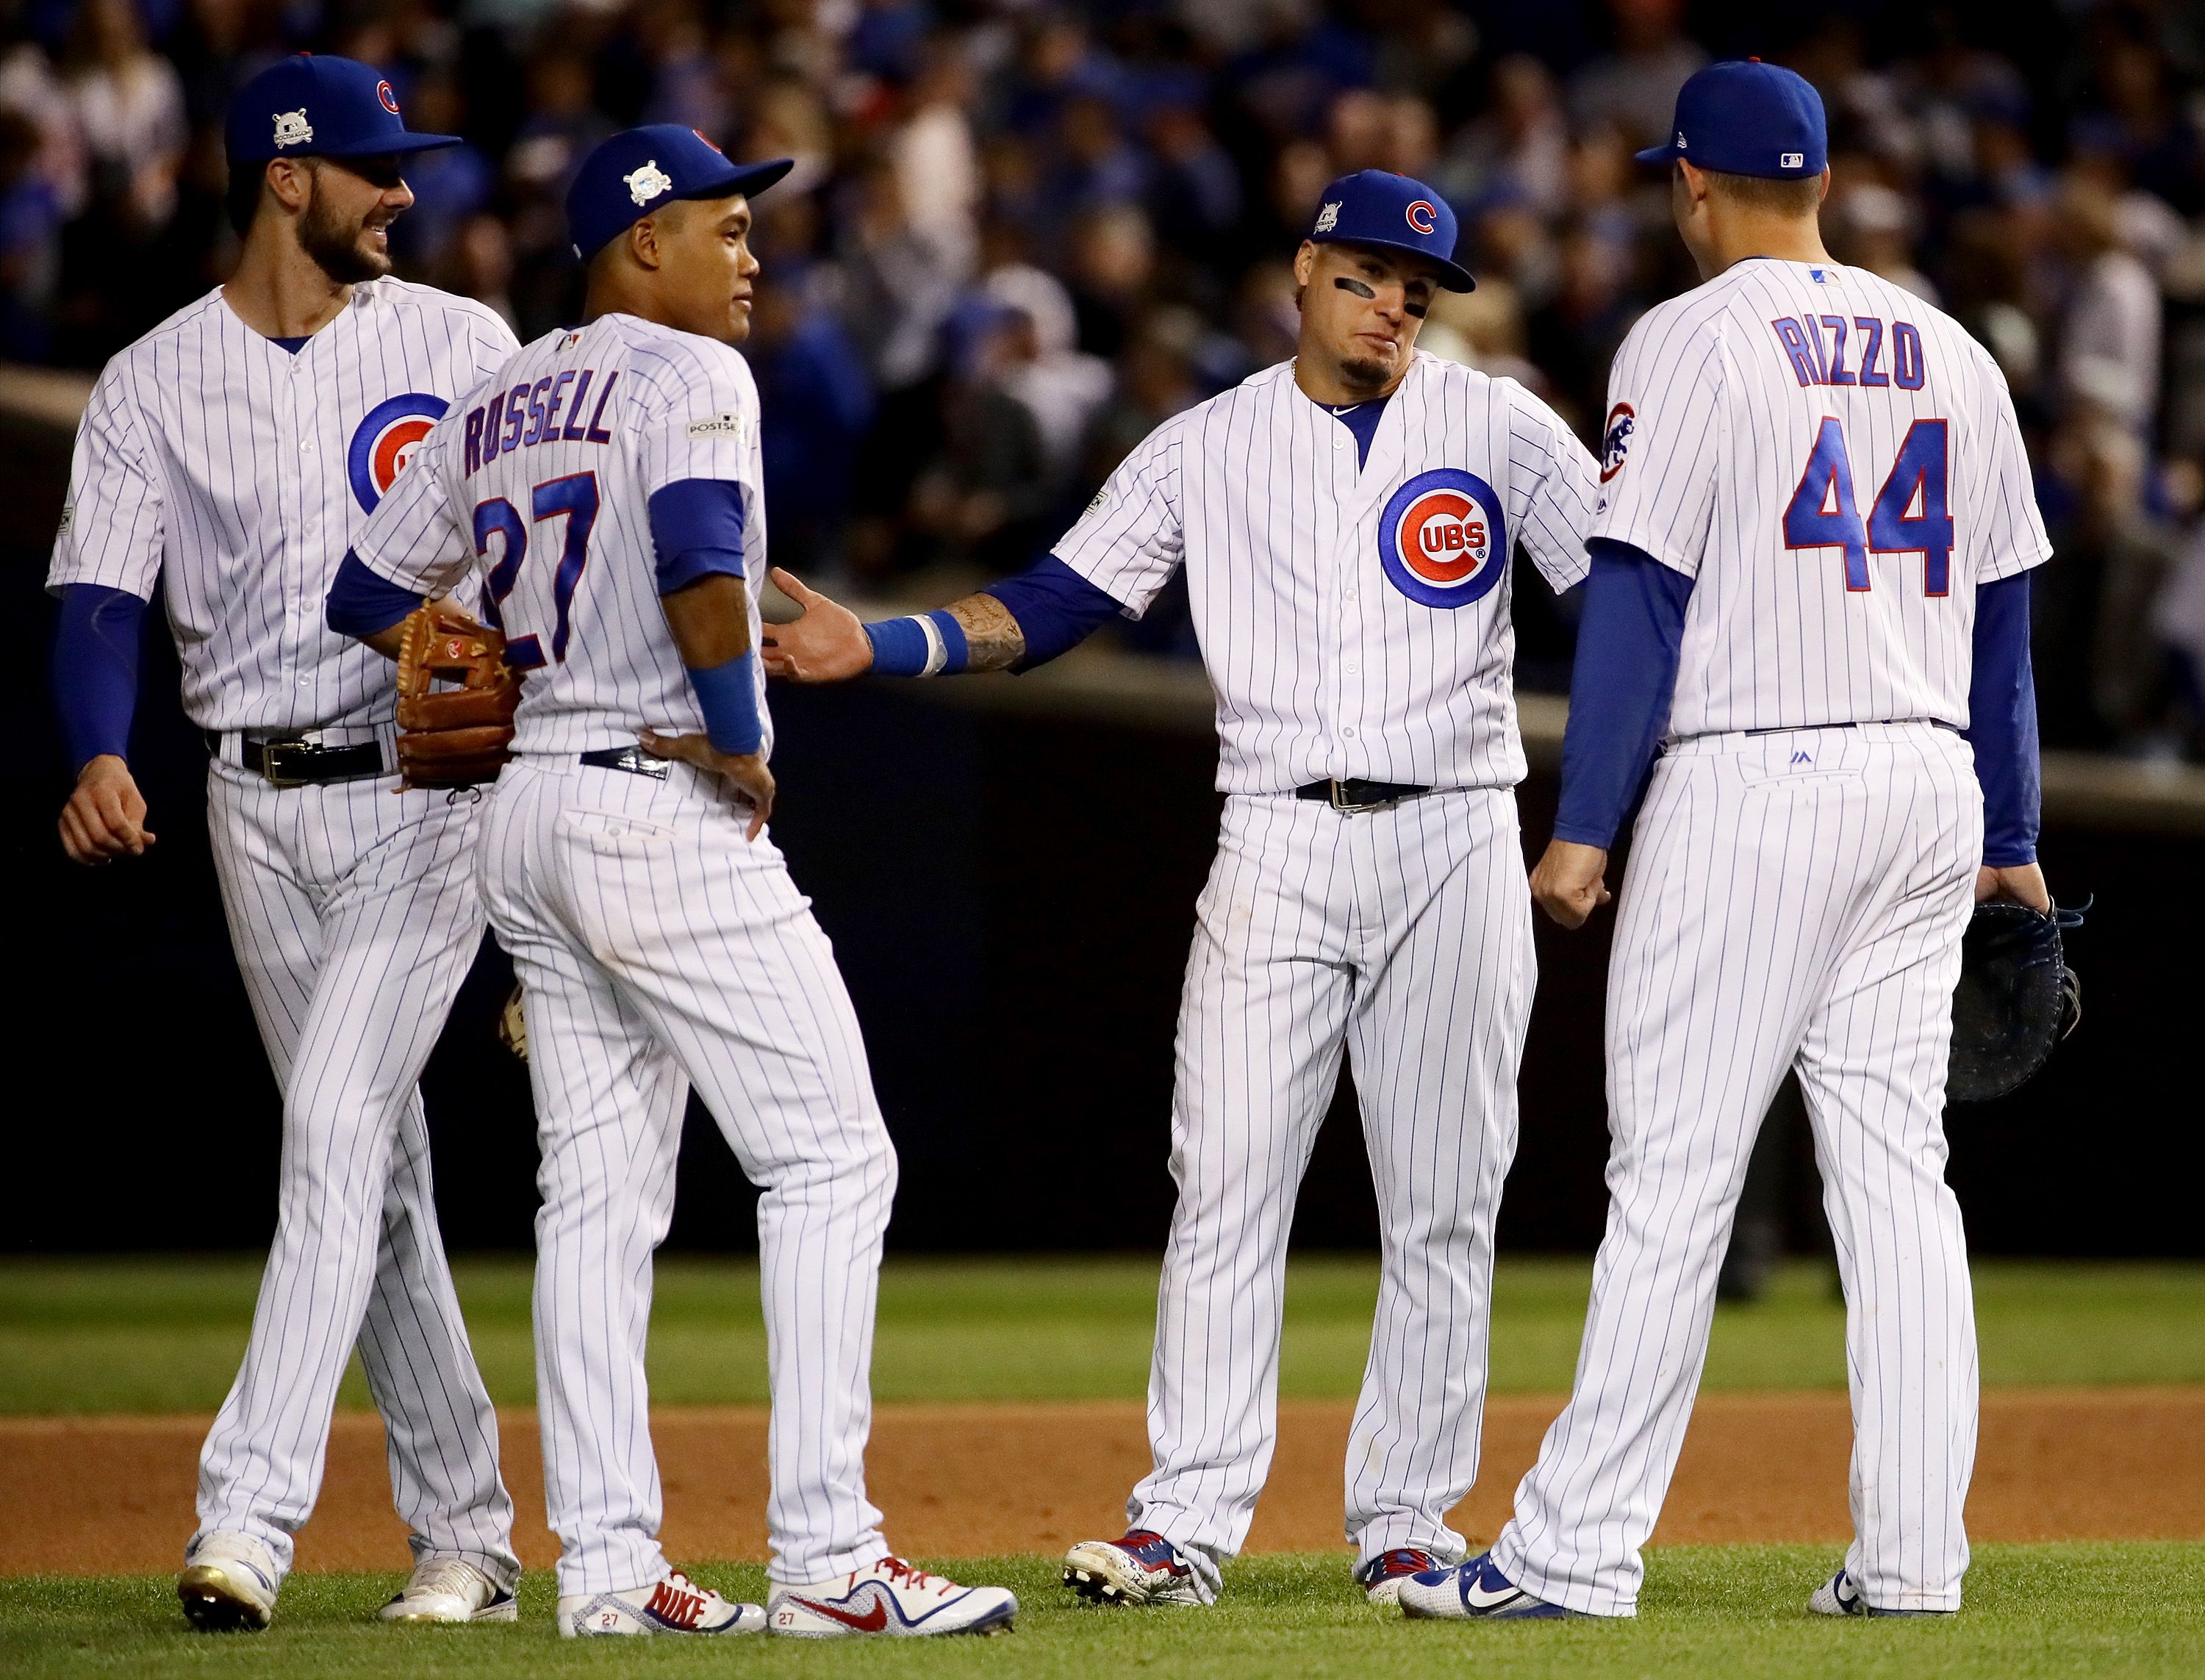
[2002, 723]
[924, 645]
[96, 670]
[360, 604]
[1620, 690]
[727, 696]
[697, 528]
[1057, 608]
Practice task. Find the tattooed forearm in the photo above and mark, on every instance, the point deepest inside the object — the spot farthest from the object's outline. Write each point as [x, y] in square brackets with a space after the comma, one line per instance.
[993, 640]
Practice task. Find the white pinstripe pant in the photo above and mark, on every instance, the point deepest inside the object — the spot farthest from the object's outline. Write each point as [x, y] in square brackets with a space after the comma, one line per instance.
[1791, 899]
[355, 916]
[1405, 935]
[658, 947]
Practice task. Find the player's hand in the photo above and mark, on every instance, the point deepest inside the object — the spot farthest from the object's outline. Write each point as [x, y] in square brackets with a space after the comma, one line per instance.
[2023, 884]
[1568, 883]
[105, 817]
[827, 644]
[746, 770]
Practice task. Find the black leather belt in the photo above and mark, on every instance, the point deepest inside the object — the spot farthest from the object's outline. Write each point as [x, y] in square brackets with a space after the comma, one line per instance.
[293, 761]
[1802, 729]
[632, 759]
[1352, 796]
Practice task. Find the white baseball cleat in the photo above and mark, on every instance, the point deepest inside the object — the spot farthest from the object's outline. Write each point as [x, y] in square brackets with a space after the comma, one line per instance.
[1138, 1567]
[451, 1589]
[228, 1584]
[1840, 1596]
[1382, 1577]
[890, 1599]
[676, 1605]
[1476, 1590]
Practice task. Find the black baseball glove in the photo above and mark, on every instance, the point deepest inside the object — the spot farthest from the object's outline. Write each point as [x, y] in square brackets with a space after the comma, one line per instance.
[2016, 999]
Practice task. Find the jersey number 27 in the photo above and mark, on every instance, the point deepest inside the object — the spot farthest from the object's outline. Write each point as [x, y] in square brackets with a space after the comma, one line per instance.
[575, 495]
[1823, 513]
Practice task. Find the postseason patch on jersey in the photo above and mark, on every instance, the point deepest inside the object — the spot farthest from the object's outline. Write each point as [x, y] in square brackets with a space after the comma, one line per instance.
[1442, 538]
[725, 424]
[383, 442]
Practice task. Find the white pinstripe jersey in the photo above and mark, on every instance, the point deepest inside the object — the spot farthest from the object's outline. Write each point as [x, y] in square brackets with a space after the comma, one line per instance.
[543, 475]
[1837, 465]
[1355, 623]
[238, 473]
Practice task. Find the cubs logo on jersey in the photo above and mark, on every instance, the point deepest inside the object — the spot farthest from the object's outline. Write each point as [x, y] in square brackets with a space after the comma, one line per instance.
[1442, 538]
[384, 442]
[1615, 439]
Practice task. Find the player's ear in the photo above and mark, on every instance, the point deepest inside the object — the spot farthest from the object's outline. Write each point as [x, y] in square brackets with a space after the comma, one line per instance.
[643, 244]
[291, 180]
[1304, 263]
[1823, 187]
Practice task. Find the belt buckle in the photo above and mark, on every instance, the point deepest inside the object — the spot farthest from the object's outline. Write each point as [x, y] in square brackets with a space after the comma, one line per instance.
[274, 757]
[1349, 807]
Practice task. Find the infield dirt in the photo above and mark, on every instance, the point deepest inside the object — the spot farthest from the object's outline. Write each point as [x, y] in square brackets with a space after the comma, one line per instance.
[113, 1495]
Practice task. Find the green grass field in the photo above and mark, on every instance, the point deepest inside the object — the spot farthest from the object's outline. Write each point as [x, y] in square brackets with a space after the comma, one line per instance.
[2102, 1611]
[164, 1335]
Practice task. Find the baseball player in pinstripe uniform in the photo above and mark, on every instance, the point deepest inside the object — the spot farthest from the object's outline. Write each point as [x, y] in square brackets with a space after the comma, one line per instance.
[1347, 521]
[1810, 584]
[609, 479]
[231, 452]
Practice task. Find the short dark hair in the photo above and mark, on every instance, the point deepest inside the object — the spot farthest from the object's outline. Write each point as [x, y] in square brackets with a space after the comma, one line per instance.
[242, 197]
[1779, 197]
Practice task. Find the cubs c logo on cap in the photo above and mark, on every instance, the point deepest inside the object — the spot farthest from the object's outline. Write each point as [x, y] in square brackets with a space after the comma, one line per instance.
[385, 440]
[1441, 539]
[390, 99]
[1422, 216]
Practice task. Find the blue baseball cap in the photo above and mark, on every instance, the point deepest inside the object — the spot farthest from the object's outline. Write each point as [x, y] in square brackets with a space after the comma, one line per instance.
[317, 105]
[1745, 117]
[639, 170]
[1374, 207]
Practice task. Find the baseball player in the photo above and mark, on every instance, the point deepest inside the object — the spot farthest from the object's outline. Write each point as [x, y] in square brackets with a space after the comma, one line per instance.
[231, 452]
[1810, 584]
[1345, 520]
[609, 479]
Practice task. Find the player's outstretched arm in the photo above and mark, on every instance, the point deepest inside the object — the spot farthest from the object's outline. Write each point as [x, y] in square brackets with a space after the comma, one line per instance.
[826, 642]
[711, 621]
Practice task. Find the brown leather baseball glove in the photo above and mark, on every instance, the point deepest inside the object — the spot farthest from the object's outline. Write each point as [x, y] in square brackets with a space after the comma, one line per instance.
[453, 737]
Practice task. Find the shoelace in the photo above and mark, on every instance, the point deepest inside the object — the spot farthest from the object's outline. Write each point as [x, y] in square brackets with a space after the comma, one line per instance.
[908, 1575]
[454, 1576]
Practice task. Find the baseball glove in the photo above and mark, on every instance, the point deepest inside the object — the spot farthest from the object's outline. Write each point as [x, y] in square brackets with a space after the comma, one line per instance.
[453, 737]
[2016, 999]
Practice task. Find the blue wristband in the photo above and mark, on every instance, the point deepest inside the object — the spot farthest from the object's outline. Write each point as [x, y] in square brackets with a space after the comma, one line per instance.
[919, 646]
[728, 695]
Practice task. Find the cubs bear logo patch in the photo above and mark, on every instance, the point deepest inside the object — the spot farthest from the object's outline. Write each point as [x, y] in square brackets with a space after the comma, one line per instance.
[383, 443]
[1615, 439]
[1442, 540]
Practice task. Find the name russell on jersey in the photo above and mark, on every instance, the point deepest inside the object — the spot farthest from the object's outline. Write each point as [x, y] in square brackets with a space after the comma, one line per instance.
[528, 415]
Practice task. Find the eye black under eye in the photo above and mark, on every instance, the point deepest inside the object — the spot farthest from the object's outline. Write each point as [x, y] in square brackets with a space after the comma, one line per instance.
[1349, 283]
[1416, 307]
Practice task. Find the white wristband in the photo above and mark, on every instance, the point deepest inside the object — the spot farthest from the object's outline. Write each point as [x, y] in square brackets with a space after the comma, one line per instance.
[937, 651]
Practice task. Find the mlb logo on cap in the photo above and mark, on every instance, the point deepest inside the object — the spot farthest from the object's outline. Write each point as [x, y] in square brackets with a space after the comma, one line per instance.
[1745, 117]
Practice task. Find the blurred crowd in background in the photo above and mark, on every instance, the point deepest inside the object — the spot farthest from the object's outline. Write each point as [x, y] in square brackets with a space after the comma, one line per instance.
[1019, 235]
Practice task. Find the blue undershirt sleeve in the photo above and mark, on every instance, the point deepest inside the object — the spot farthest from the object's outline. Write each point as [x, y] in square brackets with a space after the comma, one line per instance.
[361, 604]
[1620, 690]
[96, 670]
[697, 526]
[1057, 608]
[2002, 723]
